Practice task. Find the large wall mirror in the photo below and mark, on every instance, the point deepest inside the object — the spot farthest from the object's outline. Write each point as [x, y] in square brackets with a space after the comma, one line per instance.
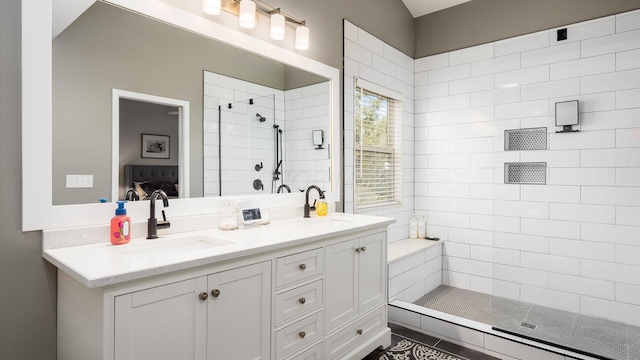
[124, 74]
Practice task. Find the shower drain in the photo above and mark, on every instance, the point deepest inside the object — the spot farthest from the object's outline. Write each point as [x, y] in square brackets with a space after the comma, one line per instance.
[528, 326]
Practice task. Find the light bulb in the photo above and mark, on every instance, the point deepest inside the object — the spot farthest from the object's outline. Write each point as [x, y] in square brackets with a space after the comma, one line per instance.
[277, 26]
[302, 38]
[211, 7]
[247, 14]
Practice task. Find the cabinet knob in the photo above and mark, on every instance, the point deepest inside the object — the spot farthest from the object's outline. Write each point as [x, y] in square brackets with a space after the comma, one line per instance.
[364, 248]
[215, 293]
[302, 334]
[358, 250]
[302, 300]
[203, 296]
[359, 331]
[302, 266]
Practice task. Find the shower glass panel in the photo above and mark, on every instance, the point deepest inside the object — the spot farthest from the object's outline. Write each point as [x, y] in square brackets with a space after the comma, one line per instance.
[513, 265]
[248, 146]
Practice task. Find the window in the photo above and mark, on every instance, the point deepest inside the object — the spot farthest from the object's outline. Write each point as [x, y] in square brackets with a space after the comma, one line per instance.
[378, 164]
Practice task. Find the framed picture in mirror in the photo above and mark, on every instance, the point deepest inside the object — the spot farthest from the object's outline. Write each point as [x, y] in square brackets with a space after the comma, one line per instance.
[155, 146]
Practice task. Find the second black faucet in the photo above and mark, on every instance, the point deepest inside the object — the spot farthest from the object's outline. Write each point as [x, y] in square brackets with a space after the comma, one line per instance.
[307, 207]
[152, 224]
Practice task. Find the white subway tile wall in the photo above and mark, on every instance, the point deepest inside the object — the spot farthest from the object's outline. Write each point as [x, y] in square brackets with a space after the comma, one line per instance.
[297, 111]
[574, 243]
[368, 58]
[238, 164]
[414, 275]
[307, 109]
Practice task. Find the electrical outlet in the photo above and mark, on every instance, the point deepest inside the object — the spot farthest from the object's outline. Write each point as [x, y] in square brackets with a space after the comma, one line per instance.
[562, 34]
[79, 181]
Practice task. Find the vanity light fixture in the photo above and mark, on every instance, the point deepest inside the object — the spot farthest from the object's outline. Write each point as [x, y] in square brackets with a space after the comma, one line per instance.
[246, 12]
[302, 37]
[211, 7]
[277, 25]
[247, 18]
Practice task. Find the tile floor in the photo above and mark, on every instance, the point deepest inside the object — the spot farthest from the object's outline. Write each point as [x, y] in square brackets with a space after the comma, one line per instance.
[399, 332]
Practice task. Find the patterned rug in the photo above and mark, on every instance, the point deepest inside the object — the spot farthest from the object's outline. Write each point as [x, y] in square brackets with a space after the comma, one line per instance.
[408, 350]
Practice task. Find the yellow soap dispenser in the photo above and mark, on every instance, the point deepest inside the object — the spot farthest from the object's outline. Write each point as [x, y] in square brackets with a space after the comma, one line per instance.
[322, 208]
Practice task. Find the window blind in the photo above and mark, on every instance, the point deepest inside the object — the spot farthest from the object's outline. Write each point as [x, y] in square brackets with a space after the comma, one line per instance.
[378, 140]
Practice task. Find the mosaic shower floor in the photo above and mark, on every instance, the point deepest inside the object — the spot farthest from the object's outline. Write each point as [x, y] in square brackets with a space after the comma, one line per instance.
[592, 336]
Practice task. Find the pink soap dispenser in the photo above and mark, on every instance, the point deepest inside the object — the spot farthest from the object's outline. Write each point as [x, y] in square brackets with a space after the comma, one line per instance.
[120, 226]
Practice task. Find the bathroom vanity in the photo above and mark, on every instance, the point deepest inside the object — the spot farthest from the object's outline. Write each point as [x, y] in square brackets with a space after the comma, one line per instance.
[294, 289]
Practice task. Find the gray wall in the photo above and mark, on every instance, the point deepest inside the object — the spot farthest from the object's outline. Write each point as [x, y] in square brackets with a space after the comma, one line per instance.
[481, 21]
[27, 282]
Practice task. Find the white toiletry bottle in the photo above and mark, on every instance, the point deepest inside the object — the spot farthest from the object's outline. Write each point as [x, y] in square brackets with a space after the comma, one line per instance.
[413, 227]
[422, 227]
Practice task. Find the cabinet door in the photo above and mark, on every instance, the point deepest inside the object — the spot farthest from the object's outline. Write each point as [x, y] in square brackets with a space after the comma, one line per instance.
[239, 313]
[341, 277]
[165, 322]
[372, 290]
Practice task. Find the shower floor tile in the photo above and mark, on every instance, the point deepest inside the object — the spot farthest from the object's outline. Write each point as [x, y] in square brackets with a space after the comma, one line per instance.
[590, 335]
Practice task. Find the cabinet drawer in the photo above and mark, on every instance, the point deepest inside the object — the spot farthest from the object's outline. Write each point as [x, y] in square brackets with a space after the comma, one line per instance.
[348, 337]
[299, 300]
[315, 353]
[298, 335]
[299, 266]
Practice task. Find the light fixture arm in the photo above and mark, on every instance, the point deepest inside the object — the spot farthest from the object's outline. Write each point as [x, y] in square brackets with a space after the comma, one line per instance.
[233, 7]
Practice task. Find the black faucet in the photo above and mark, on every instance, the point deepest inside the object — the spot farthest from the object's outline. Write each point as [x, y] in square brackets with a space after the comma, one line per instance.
[152, 224]
[283, 186]
[307, 207]
[132, 195]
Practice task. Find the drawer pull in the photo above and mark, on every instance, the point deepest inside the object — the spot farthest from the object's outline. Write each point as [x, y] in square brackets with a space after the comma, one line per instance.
[302, 300]
[302, 266]
[302, 334]
[359, 331]
[203, 296]
[215, 293]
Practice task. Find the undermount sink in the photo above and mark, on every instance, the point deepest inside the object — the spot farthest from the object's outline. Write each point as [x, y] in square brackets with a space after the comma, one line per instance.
[163, 248]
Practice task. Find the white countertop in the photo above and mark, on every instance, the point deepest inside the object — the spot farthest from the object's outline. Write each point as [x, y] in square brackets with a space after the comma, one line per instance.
[105, 264]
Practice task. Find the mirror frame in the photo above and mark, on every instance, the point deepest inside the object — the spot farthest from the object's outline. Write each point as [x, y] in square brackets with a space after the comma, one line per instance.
[38, 213]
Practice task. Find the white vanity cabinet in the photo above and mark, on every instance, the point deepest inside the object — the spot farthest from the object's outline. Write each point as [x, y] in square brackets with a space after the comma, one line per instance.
[225, 315]
[355, 291]
[355, 280]
[317, 295]
[239, 313]
[299, 300]
[165, 322]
